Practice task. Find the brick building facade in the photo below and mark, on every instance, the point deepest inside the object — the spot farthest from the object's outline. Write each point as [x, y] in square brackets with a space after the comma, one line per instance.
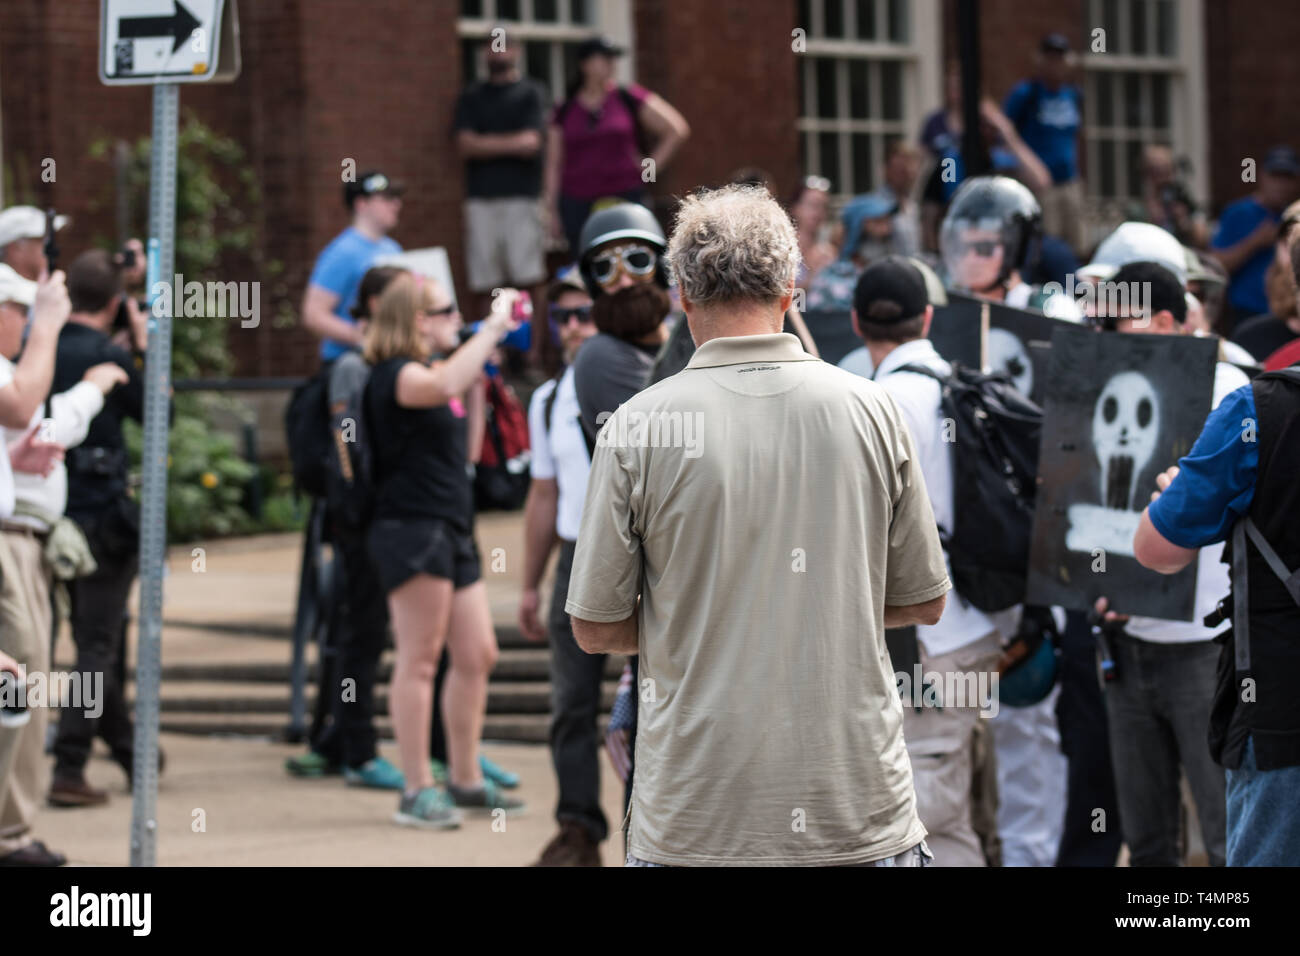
[325, 80]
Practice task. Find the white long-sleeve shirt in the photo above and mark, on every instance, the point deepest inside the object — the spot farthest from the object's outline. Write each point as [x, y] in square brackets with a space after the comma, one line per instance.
[71, 412]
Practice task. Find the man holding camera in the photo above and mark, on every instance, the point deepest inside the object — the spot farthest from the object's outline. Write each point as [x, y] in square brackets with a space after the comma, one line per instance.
[98, 502]
[22, 237]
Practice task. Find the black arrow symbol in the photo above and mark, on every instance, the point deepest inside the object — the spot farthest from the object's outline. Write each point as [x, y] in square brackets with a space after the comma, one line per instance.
[180, 25]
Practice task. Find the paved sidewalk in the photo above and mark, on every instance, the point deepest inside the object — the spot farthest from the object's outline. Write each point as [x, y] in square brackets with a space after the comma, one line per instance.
[255, 813]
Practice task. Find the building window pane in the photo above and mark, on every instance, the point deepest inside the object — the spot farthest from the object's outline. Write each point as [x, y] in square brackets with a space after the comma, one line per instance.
[828, 145]
[1133, 167]
[827, 102]
[864, 171]
[859, 93]
[1106, 174]
[891, 86]
[469, 51]
[866, 19]
[1132, 99]
[1137, 26]
[900, 28]
[545, 11]
[1166, 30]
[1101, 97]
[537, 61]
[1110, 23]
[471, 8]
[1160, 101]
[833, 18]
[581, 12]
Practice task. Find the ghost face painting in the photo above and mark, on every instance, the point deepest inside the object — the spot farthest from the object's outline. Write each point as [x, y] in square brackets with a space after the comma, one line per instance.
[1125, 427]
[1007, 354]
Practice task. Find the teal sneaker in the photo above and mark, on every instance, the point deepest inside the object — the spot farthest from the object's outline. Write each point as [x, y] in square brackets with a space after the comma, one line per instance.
[430, 808]
[439, 771]
[376, 774]
[311, 764]
[498, 775]
[487, 797]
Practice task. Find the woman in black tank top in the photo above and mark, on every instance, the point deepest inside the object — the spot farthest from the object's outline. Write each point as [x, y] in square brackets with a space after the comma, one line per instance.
[420, 539]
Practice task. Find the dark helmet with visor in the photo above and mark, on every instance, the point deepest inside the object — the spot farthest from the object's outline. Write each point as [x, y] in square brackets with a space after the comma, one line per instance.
[629, 221]
[990, 209]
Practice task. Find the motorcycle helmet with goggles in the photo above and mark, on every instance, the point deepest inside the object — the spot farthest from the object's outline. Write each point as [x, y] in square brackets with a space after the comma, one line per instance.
[622, 239]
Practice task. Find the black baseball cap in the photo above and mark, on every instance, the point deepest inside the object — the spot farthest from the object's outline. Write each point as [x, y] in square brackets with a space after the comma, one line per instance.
[1283, 160]
[371, 183]
[598, 44]
[1165, 291]
[890, 290]
[1054, 43]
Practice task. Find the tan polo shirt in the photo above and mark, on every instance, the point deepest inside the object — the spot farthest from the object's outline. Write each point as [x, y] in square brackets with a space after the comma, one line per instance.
[766, 507]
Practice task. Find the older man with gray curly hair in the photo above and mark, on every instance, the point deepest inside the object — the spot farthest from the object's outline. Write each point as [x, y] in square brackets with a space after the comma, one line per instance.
[752, 526]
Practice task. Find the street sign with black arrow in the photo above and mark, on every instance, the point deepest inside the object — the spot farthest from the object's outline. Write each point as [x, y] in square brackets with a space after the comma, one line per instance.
[167, 41]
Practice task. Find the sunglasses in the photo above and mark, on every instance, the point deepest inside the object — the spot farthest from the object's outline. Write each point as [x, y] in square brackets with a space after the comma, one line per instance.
[561, 317]
[984, 248]
[445, 310]
[634, 260]
[818, 183]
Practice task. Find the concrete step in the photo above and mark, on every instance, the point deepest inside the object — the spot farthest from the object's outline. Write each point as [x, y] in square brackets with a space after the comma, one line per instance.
[515, 728]
[515, 664]
[504, 697]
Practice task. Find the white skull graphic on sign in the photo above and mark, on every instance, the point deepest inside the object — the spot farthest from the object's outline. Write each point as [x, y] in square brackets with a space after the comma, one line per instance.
[1007, 354]
[1125, 426]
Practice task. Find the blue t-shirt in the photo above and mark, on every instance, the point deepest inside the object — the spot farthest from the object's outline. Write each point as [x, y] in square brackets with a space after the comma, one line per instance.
[1246, 287]
[339, 269]
[1216, 479]
[1048, 122]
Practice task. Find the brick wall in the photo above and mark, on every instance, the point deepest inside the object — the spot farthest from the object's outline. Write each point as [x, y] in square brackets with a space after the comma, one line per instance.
[325, 80]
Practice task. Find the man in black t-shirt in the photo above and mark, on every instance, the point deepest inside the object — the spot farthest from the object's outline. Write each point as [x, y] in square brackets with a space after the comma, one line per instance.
[500, 123]
[99, 503]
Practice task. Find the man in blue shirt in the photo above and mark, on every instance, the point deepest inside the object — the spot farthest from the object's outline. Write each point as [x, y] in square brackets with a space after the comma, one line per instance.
[1248, 229]
[1238, 482]
[375, 203]
[1047, 112]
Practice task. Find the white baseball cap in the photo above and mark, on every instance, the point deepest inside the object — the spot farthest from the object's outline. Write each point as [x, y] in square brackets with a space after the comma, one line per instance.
[14, 288]
[1137, 242]
[25, 222]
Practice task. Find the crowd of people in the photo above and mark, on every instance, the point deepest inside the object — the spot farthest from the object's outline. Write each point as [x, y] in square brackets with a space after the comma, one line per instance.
[72, 348]
[769, 570]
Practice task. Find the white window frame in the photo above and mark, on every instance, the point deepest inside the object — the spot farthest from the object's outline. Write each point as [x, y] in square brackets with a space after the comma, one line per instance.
[1187, 98]
[612, 18]
[921, 59]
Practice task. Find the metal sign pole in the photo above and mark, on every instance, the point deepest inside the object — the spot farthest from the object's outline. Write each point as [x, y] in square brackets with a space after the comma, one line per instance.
[153, 496]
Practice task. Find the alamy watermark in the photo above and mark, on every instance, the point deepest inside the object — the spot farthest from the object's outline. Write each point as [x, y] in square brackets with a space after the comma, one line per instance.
[653, 430]
[956, 690]
[219, 300]
[67, 690]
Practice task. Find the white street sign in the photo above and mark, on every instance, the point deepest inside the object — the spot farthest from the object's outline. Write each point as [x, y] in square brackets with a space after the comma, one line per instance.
[164, 41]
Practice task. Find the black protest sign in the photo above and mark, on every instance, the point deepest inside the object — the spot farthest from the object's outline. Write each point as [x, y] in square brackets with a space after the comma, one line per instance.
[1119, 410]
[832, 330]
[1019, 344]
[957, 329]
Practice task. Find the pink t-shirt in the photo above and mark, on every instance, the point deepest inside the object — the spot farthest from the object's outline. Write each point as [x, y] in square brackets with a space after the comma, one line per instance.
[601, 154]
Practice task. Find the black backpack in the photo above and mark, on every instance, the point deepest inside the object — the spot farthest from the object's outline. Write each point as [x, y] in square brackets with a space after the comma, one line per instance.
[307, 431]
[994, 483]
[352, 463]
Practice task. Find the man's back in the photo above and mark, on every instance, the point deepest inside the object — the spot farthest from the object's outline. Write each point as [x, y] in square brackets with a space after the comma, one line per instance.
[775, 510]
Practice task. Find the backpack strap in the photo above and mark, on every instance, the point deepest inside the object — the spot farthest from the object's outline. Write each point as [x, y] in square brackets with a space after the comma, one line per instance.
[548, 406]
[921, 370]
[1243, 529]
[629, 101]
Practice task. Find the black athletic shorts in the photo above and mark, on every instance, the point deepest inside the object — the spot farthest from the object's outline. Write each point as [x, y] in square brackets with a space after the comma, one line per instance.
[401, 548]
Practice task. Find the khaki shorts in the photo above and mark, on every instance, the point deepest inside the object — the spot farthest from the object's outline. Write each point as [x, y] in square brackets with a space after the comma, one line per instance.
[1063, 214]
[504, 243]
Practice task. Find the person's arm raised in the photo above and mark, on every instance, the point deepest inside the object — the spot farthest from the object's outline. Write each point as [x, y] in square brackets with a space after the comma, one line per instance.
[419, 386]
[35, 370]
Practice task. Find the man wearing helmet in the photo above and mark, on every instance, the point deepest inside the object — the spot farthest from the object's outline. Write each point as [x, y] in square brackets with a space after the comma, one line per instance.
[993, 225]
[621, 261]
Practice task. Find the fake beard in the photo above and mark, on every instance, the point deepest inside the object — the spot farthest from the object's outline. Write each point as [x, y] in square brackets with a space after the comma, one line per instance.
[633, 312]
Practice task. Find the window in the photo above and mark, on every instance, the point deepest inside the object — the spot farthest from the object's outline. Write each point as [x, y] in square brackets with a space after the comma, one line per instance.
[549, 30]
[869, 71]
[1145, 88]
